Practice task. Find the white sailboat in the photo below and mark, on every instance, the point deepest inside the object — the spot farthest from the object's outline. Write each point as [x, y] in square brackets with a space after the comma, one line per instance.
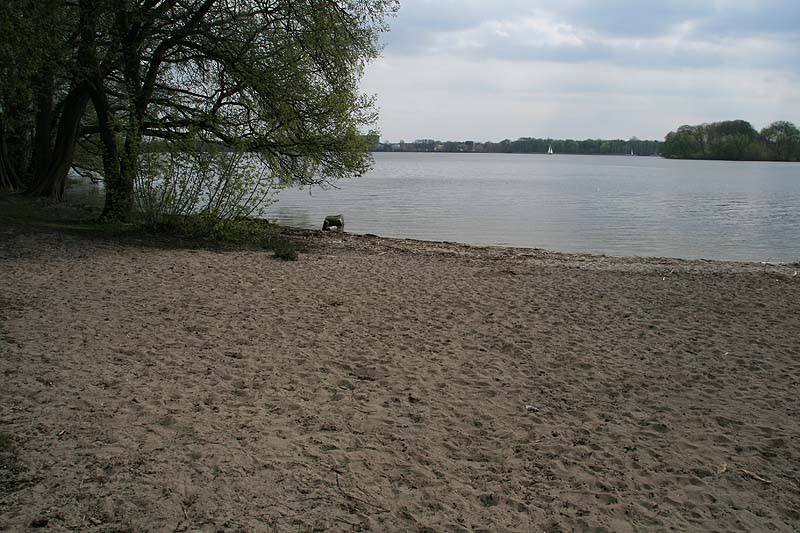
[550, 150]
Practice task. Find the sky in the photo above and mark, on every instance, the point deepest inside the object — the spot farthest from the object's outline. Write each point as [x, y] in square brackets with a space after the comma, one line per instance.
[496, 69]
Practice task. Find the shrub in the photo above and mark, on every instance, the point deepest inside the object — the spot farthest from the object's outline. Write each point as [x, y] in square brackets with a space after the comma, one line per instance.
[283, 249]
[213, 187]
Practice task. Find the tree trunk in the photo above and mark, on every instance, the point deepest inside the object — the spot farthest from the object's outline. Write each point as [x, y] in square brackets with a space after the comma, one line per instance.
[9, 180]
[42, 153]
[118, 182]
[120, 189]
[52, 183]
[119, 177]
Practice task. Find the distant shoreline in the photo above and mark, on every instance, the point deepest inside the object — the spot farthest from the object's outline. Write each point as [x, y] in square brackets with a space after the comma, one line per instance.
[507, 153]
[498, 251]
[658, 156]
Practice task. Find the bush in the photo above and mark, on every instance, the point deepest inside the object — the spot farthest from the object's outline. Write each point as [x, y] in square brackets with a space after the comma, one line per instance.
[201, 192]
[250, 233]
[283, 249]
[254, 232]
[189, 179]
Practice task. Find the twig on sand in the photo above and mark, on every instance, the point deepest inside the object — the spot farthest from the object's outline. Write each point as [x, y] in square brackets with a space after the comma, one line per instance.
[350, 496]
[755, 476]
[351, 524]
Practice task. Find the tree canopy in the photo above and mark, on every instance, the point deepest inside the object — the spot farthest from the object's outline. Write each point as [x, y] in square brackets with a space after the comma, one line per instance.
[277, 78]
[734, 140]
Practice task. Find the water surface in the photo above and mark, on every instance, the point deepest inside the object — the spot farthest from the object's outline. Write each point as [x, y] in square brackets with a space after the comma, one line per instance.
[602, 204]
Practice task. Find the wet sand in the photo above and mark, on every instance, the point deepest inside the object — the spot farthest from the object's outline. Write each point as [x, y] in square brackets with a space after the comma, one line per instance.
[386, 385]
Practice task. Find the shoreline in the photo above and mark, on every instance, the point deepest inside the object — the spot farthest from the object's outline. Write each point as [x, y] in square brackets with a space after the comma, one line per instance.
[75, 212]
[391, 384]
[503, 251]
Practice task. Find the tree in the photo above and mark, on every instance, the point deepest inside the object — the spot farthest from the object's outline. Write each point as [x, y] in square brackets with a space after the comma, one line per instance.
[16, 74]
[734, 140]
[42, 105]
[783, 140]
[276, 77]
[730, 139]
[688, 142]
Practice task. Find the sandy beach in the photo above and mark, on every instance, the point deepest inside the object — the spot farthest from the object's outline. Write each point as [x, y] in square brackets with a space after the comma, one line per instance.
[389, 385]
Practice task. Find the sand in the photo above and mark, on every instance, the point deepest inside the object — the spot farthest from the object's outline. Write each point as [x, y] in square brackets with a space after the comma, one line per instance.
[387, 385]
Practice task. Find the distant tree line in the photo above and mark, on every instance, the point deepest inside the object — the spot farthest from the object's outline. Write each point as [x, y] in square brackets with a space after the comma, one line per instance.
[735, 140]
[530, 145]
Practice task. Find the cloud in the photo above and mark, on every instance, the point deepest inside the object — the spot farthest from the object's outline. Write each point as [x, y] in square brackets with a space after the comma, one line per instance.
[750, 18]
[678, 33]
[630, 18]
[581, 68]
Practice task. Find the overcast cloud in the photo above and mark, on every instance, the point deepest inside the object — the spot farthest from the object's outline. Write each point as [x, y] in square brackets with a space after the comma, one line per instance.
[489, 70]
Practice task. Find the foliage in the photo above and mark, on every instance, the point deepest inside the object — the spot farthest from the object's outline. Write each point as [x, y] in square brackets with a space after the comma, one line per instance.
[734, 140]
[530, 145]
[241, 232]
[252, 232]
[283, 249]
[278, 78]
[213, 185]
[208, 193]
[35, 65]
[570, 146]
[688, 141]
[782, 141]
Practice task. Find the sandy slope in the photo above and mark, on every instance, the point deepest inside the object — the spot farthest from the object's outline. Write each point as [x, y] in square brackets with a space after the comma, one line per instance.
[382, 385]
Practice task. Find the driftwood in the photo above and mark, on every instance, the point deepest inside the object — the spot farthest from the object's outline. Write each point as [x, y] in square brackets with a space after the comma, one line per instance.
[755, 476]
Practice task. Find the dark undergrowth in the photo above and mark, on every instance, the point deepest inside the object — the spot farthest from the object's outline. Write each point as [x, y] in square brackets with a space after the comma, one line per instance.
[242, 233]
[22, 213]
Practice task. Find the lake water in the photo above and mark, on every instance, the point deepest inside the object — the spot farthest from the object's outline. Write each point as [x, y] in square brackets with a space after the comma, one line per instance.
[642, 206]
